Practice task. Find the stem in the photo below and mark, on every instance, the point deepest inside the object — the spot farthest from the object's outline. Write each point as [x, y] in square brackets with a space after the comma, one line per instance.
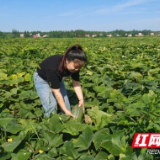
[132, 119]
[35, 131]
[31, 149]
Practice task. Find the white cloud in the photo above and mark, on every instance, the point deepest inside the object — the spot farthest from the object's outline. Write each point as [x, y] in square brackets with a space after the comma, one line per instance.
[120, 7]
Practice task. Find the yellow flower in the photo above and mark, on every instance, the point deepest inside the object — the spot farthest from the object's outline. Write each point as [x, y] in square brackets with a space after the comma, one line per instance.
[40, 151]
[10, 140]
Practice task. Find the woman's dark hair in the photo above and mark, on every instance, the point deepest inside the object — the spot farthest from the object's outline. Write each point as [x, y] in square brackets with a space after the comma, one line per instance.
[74, 52]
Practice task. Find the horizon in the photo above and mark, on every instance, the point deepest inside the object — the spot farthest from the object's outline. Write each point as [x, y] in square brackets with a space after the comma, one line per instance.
[81, 30]
[98, 16]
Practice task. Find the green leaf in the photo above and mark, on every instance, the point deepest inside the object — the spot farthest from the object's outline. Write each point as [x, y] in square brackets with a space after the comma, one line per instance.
[115, 144]
[24, 95]
[145, 157]
[1, 105]
[86, 157]
[62, 158]
[3, 75]
[111, 157]
[4, 156]
[129, 154]
[13, 91]
[89, 104]
[28, 95]
[99, 89]
[135, 75]
[90, 94]
[7, 94]
[102, 155]
[99, 136]
[21, 155]
[53, 152]
[73, 128]
[43, 156]
[148, 98]
[54, 125]
[97, 115]
[10, 125]
[54, 140]
[104, 94]
[69, 151]
[84, 140]
[10, 146]
[96, 79]
[33, 95]
[27, 77]
[42, 144]
[38, 112]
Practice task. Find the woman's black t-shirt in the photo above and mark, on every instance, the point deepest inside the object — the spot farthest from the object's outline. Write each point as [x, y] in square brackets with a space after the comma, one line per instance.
[48, 70]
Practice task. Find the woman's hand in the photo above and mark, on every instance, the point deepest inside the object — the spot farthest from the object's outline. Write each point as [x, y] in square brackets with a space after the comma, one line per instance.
[67, 112]
[81, 104]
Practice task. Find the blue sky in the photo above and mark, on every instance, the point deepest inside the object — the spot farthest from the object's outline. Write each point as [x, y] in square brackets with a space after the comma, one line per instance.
[93, 15]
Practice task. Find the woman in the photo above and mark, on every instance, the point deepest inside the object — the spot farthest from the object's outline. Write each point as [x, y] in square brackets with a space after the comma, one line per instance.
[49, 78]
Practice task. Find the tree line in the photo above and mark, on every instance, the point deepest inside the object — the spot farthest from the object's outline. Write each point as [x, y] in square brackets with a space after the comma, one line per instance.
[75, 33]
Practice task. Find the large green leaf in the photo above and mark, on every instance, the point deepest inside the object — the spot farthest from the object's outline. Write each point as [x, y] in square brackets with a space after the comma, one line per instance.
[21, 155]
[53, 152]
[129, 154]
[73, 127]
[99, 89]
[145, 157]
[148, 98]
[7, 94]
[102, 155]
[99, 136]
[10, 146]
[54, 140]
[128, 157]
[43, 156]
[54, 125]
[96, 80]
[135, 75]
[89, 104]
[28, 95]
[14, 91]
[10, 125]
[42, 144]
[115, 144]
[103, 91]
[69, 151]
[87, 157]
[97, 115]
[84, 140]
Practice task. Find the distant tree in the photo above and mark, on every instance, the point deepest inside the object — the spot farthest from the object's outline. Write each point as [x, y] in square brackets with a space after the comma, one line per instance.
[26, 34]
[75, 33]
[10, 35]
[2, 35]
[15, 33]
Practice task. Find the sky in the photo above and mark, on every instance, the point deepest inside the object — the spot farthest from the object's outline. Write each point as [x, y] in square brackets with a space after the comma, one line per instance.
[89, 15]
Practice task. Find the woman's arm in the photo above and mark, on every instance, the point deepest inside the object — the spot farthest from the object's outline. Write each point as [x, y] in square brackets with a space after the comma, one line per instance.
[60, 101]
[78, 90]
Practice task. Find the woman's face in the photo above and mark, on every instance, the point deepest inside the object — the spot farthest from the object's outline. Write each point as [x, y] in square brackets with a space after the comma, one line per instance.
[74, 66]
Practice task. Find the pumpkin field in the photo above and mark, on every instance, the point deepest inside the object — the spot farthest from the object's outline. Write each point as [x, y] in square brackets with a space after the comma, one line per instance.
[121, 87]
